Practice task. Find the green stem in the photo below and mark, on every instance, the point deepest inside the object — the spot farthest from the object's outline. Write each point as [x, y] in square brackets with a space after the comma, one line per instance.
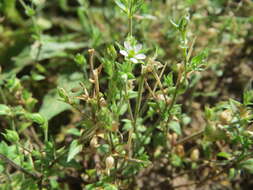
[138, 105]
[139, 98]
[13, 125]
[45, 128]
[3, 96]
[130, 20]
[130, 134]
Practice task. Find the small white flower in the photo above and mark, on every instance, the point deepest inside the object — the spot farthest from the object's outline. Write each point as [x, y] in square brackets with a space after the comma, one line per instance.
[132, 53]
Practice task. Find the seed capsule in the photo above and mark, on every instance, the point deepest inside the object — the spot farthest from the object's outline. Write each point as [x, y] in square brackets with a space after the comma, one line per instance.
[109, 163]
[195, 154]
[94, 142]
[226, 117]
[180, 150]
[174, 138]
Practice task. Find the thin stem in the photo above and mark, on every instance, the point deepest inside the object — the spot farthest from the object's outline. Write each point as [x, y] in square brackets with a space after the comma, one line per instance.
[111, 141]
[138, 105]
[130, 134]
[13, 125]
[46, 132]
[3, 96]
[139, 98]
[130, 22]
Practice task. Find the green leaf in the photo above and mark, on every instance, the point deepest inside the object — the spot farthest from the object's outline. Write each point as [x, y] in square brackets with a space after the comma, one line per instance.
[1, 168]
[198, 61]
[74, 149]
[37, 118]
[11, 136]
[74, 131]
[51, 106]
[104, 149]
[110, 187]
[248, 97]
[4, 110]
[247, 165]
[175, 126]
[50, 47]
[176, 160]
[224, 155]
[121, 5]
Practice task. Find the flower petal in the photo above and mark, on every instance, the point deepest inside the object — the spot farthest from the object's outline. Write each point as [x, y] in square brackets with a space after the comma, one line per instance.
[134, 60]
[127, 45]
[123, 52]
[140, 56]
[137, 48]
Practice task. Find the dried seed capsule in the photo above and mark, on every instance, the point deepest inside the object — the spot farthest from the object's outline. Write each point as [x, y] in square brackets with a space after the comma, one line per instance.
[169, 137]
[180, 67]
[115, 126]
[102, 102]
[195, 154]
[94, 142]
[174, 138]
[180, 150]
[225, 117]
[109, 163]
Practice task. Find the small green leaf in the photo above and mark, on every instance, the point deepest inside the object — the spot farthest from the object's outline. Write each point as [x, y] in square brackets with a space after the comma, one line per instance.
[74, 149]
[80, 59]
[11, 136]
[74, 131]
[232, 173]
[247, 165]
[224, 155]
[4, 110]
[121, 5]
[51, 106]
[176, 160]
[175, 126]
[110, 187]
[104, 149]
[37, 118]
[198, 61]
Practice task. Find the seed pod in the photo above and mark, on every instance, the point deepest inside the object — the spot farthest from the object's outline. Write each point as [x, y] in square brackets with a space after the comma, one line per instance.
[180, 67]
[195, 154]
[174, 138]
[225, 117]
[109, 163]
[102, 102]
[94, 142]
[169, 137]
[180, 150]
[115, 126]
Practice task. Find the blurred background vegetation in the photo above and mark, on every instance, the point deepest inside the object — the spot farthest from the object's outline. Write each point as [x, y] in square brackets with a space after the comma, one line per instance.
[40, 47]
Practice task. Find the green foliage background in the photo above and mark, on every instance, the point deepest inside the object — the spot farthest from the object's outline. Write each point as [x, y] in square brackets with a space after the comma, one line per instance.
[45, 53]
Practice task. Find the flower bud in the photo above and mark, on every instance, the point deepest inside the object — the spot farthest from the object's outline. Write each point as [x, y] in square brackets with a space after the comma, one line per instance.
[195, 154]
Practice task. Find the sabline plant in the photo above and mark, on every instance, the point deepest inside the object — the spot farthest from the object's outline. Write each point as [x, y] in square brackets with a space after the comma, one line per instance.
[135, 109]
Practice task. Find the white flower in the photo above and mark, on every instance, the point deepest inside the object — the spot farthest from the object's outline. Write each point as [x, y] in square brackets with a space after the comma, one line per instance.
[133, 52]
